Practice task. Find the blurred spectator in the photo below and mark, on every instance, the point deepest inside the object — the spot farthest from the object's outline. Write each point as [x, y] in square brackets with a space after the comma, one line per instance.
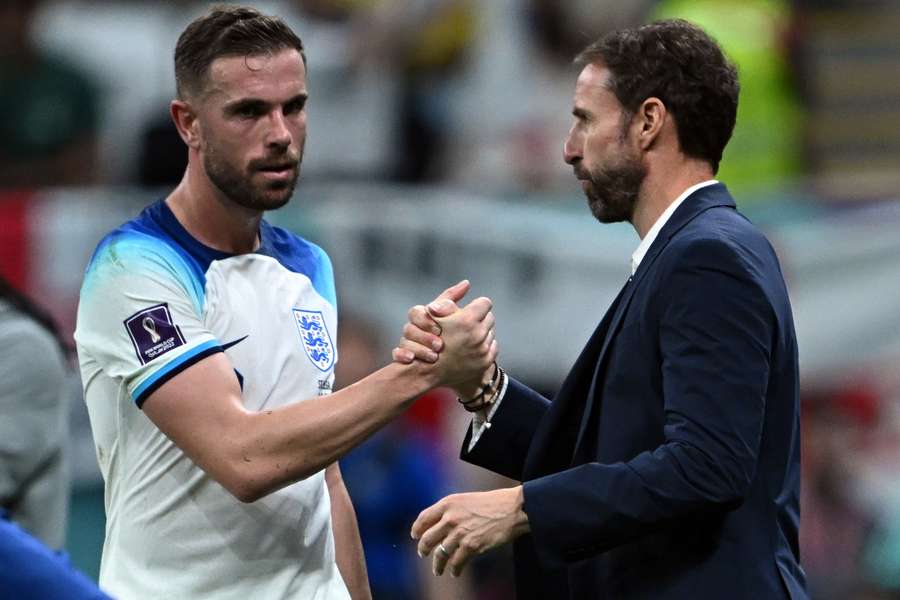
[835, 524]
[34, 478]
[48, 109]
[428, 43]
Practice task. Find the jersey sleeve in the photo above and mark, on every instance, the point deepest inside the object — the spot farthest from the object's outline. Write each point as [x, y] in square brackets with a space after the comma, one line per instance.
[140, 316]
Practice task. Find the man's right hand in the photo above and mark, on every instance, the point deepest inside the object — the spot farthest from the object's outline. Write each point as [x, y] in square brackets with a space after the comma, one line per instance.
[463, 337]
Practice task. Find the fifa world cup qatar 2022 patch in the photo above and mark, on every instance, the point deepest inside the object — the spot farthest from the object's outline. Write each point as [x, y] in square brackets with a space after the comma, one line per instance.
[153, 333]
[315, 337]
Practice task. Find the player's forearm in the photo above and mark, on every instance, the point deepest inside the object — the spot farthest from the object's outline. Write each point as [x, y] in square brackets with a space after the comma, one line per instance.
[347, 544]
[291, 443]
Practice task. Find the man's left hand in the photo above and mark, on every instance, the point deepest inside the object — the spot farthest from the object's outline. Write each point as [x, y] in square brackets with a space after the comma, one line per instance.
[463, 525]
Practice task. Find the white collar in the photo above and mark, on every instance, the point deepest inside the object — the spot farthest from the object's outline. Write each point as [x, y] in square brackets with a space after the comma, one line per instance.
[645, 244]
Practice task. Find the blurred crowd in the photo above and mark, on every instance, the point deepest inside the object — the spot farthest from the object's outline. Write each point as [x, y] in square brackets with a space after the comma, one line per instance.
[477, 94]
[451, 91]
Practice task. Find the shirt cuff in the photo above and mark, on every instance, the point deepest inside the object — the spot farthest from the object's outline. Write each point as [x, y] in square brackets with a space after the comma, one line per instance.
[481, 419]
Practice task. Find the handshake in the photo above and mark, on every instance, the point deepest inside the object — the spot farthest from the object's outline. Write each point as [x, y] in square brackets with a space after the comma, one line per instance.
[455, 346]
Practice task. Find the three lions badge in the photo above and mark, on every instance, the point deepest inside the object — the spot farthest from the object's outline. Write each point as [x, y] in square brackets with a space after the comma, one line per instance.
[315, 337]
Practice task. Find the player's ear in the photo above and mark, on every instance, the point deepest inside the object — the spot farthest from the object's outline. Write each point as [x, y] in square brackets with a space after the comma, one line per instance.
[186, 122]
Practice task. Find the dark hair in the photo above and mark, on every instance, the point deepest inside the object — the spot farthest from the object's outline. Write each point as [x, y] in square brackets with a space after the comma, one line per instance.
[227, 31]
[25, 305]
[685, 68]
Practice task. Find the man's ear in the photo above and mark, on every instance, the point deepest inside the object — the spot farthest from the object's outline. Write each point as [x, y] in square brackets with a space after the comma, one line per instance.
[186, 122]
[650, 119]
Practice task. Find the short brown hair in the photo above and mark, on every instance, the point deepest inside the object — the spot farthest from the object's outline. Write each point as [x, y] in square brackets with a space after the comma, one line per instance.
[227, 30]
[683, 66]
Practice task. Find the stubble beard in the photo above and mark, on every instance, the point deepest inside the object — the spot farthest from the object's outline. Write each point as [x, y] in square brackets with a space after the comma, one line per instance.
[238, 186]
[612, 192]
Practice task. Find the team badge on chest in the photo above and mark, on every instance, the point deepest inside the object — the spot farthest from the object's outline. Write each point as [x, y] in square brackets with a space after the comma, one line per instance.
[315, 337]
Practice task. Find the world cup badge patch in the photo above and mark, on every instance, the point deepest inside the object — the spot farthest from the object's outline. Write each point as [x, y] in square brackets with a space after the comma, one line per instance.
[153, 333]
[315, 337]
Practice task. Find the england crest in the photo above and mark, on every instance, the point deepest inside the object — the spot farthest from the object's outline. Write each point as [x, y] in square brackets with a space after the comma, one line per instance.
[315, 337]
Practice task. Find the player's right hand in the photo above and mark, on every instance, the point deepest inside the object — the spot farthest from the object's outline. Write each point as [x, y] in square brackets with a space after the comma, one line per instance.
[422, 335]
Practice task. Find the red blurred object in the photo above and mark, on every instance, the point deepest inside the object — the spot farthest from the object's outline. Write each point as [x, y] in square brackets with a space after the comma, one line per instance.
[859, 402]
[15, 247]
[428, 412]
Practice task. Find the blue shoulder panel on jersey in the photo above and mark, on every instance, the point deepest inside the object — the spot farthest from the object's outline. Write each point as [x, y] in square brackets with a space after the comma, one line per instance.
[300, 256]
[156, 233]
[138, 248]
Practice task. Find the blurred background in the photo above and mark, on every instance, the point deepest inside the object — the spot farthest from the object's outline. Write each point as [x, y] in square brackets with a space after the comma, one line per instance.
[434, 153]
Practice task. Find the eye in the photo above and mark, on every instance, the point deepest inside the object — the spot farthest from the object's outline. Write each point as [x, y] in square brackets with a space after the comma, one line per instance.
[295, 106]
[248, 111]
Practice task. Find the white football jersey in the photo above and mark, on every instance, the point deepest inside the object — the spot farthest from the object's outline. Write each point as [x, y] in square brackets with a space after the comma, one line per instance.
[154, 302]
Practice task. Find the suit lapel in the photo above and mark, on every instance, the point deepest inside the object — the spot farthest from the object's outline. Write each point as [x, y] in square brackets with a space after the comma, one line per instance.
[698, 202]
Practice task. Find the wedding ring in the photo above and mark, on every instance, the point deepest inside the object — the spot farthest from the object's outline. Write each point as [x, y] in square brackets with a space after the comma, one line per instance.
[442, 550]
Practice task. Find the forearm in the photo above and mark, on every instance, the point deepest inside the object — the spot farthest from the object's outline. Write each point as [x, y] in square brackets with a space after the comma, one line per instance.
[291, 443]
[626, 500]
[347, 543]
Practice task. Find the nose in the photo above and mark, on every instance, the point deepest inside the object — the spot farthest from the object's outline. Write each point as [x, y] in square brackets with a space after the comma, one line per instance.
[572, 148]
[278, 134]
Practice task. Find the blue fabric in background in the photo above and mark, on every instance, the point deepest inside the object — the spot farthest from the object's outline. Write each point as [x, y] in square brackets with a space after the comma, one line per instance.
[31, 570]
[391, 478]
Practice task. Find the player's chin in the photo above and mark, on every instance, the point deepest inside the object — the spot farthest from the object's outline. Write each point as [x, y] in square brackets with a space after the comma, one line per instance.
[275, 196]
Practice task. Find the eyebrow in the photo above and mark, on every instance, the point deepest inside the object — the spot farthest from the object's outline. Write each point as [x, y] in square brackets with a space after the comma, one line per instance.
[257, 103]
[580, 113]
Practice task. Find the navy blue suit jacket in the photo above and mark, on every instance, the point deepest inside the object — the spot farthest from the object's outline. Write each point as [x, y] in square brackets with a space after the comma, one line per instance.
[668, 465]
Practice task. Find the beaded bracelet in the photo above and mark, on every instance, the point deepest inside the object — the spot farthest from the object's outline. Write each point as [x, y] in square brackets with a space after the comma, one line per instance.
[500, 386]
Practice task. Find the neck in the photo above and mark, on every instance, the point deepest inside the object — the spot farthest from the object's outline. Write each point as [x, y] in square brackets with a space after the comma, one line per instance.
[210, 216]
[661, 188]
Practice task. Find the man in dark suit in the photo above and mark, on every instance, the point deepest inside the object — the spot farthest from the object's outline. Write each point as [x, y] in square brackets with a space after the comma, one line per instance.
[668, 465]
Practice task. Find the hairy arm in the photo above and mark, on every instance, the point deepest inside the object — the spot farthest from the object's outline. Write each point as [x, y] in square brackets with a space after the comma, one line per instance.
[347, 544]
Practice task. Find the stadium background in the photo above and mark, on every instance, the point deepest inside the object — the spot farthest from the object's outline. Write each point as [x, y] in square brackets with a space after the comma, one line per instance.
[434, 153]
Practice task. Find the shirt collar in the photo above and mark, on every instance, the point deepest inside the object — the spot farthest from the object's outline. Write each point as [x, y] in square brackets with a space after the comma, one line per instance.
[645, 244]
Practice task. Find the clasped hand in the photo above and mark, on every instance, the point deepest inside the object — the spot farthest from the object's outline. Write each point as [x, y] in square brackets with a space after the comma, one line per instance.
[459, 342]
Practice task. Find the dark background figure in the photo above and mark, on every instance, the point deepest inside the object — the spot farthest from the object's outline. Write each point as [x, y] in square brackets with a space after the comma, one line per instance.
[49, 109]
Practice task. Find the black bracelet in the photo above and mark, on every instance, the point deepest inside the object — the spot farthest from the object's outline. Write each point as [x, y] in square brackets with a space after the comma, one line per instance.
[484, 389]
[478, 402]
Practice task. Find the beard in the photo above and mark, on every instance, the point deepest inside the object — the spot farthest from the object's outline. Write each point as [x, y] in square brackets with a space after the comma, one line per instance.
[612, 191]
[239, 185]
